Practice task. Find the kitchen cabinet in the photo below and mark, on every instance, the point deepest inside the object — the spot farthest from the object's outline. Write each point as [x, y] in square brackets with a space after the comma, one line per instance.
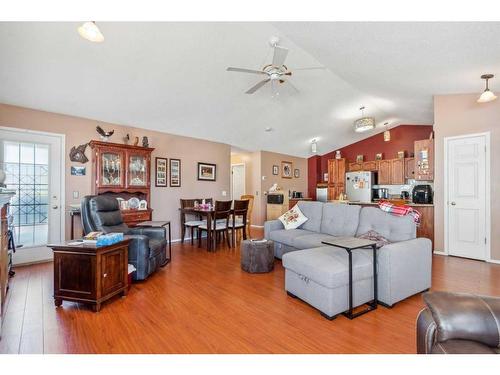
[384, 172]
[123, 171]
[426, 227]
[336, 177]
[354, 167]
[410, 168]
[397, 171]
[370, 166]
[424, 160]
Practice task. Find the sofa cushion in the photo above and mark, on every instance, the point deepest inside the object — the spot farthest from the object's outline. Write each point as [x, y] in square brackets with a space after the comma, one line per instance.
[287, 237]
[329, 266]
[340, 219]
[310, 241]
[293, 218]
[394, 228]
[313, 211]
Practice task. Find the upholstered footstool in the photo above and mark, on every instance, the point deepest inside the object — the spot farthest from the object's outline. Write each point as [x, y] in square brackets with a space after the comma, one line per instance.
[257, 256]
[320, 277]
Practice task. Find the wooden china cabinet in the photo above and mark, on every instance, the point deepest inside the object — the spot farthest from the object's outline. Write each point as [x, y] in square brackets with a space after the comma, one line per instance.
[123, 171]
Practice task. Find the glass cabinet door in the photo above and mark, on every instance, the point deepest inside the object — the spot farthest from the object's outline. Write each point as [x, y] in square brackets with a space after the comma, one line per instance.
[137, 170]
[111, 168]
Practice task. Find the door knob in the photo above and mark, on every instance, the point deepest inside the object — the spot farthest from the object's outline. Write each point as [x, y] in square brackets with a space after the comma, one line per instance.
[55, 207]
[453, 203]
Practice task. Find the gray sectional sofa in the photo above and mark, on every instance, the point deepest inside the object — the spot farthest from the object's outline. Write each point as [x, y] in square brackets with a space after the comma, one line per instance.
[318, 274]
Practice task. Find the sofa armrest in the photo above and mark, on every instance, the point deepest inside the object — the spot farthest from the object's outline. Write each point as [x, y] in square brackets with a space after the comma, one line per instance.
[150, 232]
[426, 332]
[465, 317]
[138, 247]
[272, 225]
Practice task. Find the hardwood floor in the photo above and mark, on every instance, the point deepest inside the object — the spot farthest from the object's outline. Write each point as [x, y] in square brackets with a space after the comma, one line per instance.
[204, 303]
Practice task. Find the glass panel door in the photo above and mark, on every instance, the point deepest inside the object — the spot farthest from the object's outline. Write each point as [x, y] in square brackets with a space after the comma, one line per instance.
[111, 168]
[137, 171]
[27, 171]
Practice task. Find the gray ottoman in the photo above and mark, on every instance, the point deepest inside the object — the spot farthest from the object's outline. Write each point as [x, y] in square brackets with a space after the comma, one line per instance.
[320, 277]
[257, 256]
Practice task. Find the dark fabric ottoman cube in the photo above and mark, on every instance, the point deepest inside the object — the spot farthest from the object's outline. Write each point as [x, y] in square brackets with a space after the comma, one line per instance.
[257, 256]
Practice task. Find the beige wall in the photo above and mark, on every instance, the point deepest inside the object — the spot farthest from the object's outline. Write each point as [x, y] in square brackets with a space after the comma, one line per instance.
[259, 177]
[459, 115]
[164, 200]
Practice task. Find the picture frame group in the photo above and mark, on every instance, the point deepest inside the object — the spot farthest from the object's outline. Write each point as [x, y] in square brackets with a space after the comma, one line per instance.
[162, 166]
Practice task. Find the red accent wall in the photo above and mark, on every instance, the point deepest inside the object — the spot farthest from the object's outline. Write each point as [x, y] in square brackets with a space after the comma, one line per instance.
[402, 138]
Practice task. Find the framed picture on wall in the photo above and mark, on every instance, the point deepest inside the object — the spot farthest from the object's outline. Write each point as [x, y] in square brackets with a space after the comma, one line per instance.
[175, 172]
[296, 173]
[161, 172]
[286, 169]
[207, 171]
[276, 170]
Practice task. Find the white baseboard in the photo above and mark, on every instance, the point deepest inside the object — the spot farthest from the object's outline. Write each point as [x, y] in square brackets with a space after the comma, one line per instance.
[493, 261]
[257, 226]
[437, 252]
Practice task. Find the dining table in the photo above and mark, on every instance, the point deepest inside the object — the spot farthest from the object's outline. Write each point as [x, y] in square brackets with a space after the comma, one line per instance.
[209, 214]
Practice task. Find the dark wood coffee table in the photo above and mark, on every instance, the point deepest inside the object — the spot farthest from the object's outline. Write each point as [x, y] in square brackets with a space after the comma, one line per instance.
[349, 244]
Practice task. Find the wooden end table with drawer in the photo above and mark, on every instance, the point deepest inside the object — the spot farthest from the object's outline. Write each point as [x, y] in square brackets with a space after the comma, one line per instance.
[89, 274]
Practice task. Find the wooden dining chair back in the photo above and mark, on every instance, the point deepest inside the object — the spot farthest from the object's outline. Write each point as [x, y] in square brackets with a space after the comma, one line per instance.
[190, 221]
[239, 218]
[219, 222]
[222, 210]
[250, 199]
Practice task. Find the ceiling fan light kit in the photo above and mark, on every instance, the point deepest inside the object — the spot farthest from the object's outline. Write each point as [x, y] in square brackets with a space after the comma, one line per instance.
[90, 31]
[487, 95]
[364, 124]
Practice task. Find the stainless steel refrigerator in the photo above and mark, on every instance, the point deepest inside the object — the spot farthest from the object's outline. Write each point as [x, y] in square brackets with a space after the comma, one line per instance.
[359, 186]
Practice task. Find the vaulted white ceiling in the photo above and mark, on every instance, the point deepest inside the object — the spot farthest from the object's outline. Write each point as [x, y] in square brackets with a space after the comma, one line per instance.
[171, 76]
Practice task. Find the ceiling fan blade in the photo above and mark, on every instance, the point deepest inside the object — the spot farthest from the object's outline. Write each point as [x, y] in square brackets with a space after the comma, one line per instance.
[242, 70]
[279, 56]
[257, 86]
[312, 68]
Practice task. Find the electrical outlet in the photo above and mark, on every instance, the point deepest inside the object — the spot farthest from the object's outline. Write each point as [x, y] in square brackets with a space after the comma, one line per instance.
[76, 194]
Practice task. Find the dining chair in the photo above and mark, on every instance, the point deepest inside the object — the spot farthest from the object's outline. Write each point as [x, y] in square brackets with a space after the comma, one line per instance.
[220, 222]
[239, 218]
[192, 223]
[250, 199]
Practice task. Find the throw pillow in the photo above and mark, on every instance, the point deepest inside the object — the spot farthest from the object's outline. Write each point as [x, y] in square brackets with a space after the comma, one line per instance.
[293, 218]
[375, 236]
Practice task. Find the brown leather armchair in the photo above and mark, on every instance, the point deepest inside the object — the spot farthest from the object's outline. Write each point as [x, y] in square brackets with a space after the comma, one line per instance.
[456, 323]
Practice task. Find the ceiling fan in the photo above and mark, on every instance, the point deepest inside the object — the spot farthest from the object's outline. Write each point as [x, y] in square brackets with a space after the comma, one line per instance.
[276, 72]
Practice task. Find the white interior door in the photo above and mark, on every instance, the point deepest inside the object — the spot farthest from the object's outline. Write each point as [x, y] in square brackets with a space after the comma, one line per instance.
[237, 180]
[33, 164]
[466, 209]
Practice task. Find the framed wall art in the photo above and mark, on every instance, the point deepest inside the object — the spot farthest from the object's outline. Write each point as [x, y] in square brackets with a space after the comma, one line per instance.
[207, 172]
[161, 172]
[286, 169]
[175, 172]
[296, 173]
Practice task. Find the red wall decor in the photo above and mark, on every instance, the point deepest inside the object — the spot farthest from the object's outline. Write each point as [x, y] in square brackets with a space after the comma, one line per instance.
[402, 138]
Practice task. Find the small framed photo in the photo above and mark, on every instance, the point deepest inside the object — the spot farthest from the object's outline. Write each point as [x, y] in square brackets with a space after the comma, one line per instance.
[143, 205]
[206, 172]
[379, 156]
[359, 158]
[276, 170]
[175, 172]
[296, 173]
[161, 172]
[286, 169]
[77, 171]
[401, 154]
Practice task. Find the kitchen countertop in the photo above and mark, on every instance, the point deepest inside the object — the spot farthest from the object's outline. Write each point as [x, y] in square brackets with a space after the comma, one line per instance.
[408, 204]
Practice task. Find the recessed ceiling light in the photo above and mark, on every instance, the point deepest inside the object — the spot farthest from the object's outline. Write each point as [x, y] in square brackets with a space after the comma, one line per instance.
[268, 129]
[90, 31]
[487, 95]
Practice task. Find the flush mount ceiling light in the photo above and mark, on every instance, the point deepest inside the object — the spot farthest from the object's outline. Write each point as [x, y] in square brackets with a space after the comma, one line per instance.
[487, 95]
[364, 124]
[90, 31]
[387, 133]
[314, 146]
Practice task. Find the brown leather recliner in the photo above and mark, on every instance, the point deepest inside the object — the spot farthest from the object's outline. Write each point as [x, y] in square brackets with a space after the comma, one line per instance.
[456, 323]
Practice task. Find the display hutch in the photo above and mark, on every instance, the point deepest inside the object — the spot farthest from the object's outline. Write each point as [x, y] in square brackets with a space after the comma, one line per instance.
[123, 171]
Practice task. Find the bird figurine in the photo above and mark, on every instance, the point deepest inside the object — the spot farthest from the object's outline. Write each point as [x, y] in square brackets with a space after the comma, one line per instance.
[77, 154]
[104, 135]
[126, 139]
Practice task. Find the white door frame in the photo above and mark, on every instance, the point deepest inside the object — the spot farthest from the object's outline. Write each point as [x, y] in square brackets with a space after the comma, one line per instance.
[62, 155]
[486, 136]
[244, 178]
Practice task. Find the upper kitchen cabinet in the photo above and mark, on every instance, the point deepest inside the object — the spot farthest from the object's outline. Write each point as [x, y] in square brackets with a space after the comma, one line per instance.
[398, 171]
[424, 160]
[355, 167]
[410, 168]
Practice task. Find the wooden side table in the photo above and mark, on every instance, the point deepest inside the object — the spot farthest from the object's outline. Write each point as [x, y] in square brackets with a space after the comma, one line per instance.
[89, 274]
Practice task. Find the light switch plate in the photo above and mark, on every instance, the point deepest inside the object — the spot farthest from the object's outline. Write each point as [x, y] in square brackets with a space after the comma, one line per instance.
[76, 194]
[224, 193]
